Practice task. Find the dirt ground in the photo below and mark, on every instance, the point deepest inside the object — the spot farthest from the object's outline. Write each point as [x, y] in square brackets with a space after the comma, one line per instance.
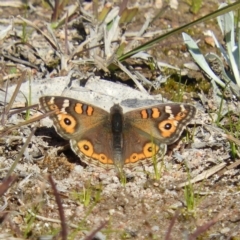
[146, 206]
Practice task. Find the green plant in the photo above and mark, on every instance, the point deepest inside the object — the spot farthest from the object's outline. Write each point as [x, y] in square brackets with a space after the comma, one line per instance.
[122, 177]
[87, 195]
[29, 219]
[57, 8]
[158, 168]
[195, 6]
[24, 32]
[12, 70]
[29, 102]
[191, 198]
[234, 129]
[189, 193]
[156, 40]
[212, 64]
[84, 196]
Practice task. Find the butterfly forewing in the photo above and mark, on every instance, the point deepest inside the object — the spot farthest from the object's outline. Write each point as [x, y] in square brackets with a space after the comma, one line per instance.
[164, 122]
[71, 117]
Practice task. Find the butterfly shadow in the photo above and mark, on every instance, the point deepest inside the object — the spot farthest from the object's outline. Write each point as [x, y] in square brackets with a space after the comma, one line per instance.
[50, 136]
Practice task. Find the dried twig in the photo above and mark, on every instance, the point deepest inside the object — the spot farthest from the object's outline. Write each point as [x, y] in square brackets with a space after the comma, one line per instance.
[93, 233]
[167, 237]
[204, 175]
[60, 209]
[6, 184]
[30, 121]
[204, 227]
[20, 153]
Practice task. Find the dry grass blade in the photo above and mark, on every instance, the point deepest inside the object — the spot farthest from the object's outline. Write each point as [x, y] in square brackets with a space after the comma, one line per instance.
[56, 11]
[5, 32]
[227, 136]
[60, 209]
[30, 121]
[15, 4]
[70, 11]
[17, 111]
[66, 34]
[11, 76]
[39, 30]
[7, 109]
[93, 233]
[20, 153]
[56, 42]
[4, 108]
[124, 69]
[95, 8]
[233, 139]
[204, 175]
[204, 228]
[44, 219]
[167, 237]
[50, 4]
[123, 7]
[232, 166]
[21, 61]
[154, 41]
[6, 184]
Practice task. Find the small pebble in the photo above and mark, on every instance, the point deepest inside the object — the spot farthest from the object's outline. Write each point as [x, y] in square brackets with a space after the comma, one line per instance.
[225, 230]
[99, 236]
[155, 228]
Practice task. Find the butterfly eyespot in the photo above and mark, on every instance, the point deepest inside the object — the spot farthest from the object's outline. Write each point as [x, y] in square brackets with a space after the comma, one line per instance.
[134, 156]
[103, 157]
[168, 126]
[67, 121]
[149, 149]
[86, 147]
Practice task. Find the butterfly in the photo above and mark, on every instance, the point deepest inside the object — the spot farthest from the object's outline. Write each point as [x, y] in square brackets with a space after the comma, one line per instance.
[117, 139]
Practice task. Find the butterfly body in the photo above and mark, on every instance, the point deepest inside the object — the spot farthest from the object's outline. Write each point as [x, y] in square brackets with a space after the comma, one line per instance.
[114, 138]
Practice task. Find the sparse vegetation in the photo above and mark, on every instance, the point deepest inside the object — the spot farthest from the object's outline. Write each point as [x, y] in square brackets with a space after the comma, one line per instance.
[69, 42]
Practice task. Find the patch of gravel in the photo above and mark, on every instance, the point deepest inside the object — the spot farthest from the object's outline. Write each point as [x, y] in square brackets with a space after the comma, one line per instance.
[144, 207]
